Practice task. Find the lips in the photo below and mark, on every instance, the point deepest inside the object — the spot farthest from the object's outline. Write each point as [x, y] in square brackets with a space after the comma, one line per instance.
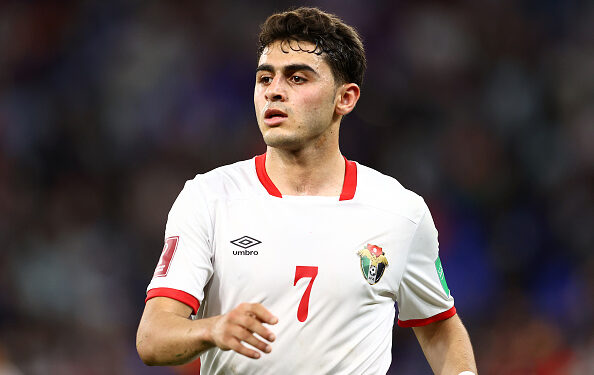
[273, 117]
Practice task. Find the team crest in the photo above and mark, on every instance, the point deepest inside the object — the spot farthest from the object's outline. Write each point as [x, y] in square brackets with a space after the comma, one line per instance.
[373, 263]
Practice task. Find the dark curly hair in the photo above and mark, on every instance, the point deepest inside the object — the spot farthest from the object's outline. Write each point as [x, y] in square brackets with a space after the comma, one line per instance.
[337, 42]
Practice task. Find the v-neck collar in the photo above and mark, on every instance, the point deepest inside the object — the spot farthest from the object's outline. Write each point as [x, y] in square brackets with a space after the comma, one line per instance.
[349, 185]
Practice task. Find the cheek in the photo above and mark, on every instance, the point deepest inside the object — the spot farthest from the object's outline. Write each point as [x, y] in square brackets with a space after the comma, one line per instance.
[320, 104]
[257, 90]
[317, 99]
[258, 102]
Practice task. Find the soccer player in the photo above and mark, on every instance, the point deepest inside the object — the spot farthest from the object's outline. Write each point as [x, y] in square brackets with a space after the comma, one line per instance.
[290, 263]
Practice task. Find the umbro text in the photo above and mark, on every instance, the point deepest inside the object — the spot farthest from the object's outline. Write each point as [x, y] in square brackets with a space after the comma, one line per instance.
[245, 252]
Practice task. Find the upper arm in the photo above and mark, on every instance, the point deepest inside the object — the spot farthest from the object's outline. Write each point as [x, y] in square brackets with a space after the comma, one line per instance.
[425, 334]
[423, 296]
[155, 309]
[165, 332]
[185, 266]
[157, 305]
[446, 346]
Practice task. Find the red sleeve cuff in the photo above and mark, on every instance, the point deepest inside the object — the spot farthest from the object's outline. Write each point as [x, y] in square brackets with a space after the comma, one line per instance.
[423, 322]
[177, 295]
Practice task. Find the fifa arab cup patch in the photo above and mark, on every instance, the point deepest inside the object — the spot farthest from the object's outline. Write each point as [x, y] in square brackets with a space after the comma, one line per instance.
[373, 263]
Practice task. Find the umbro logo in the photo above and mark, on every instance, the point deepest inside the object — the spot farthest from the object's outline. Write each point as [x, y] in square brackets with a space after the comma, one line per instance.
[245, 242]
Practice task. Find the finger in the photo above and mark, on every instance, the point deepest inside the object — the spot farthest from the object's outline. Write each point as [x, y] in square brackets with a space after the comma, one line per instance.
[236, 346]
[261, 345]
[263, 314]
[246, 336]
[253, 325]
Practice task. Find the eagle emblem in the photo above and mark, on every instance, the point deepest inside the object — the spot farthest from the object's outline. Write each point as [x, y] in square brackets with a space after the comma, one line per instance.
[373, 263]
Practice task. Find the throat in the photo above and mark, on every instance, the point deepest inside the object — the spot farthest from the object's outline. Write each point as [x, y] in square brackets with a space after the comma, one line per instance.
[303, 187]
[313, 178]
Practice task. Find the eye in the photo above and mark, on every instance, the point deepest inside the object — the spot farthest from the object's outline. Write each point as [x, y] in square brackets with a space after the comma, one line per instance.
[265, 80]
[298, 79]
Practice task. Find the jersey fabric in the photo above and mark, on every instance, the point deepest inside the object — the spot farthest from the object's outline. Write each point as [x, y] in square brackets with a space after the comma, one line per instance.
[330, 268]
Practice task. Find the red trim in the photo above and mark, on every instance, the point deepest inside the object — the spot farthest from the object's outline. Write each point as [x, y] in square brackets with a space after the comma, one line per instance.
[348, 187]
[350, 180]
[263, 176]
[176, 294]
[423, 322]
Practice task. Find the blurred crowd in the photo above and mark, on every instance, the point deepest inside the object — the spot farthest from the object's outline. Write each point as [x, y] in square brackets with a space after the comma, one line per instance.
[485, 108]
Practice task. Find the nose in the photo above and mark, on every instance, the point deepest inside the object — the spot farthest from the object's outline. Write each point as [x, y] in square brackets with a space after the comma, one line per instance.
[276, 90]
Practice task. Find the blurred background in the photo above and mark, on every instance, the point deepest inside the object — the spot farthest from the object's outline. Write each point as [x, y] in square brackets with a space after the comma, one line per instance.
[484, 107]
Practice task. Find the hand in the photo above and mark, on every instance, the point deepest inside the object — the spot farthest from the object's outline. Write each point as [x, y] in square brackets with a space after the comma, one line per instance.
[240, 324]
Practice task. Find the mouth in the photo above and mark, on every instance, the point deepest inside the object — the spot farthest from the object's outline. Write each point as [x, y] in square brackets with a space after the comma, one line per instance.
[274, 117]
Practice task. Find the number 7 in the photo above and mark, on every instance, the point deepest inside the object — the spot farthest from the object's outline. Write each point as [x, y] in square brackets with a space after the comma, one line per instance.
[305, 271]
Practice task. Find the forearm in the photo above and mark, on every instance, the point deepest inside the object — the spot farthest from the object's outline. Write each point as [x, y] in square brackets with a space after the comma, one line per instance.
[447, 347]
[166, 338]
[166, 335]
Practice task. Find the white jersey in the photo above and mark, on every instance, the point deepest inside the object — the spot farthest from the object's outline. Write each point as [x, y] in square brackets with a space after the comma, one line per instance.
[330, 268]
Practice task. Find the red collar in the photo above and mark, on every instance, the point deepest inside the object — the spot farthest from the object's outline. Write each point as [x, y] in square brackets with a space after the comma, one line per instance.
[348, 187]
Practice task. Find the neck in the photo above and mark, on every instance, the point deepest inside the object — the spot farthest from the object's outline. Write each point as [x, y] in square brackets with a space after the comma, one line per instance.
[314, 172]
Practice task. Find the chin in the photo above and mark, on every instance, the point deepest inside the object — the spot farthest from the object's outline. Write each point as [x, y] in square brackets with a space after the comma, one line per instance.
[282, 141]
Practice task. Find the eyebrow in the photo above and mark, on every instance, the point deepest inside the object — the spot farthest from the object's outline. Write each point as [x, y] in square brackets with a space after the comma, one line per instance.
[291, 68]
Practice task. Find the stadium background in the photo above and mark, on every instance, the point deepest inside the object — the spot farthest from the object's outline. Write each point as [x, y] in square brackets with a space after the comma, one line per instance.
[486, 108]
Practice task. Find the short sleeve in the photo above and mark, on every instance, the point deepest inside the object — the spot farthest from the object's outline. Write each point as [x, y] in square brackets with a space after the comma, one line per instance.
[185, 265]
[423, 295]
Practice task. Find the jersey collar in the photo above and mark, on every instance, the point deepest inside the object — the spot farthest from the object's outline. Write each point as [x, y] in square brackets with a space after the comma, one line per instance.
[349, 185]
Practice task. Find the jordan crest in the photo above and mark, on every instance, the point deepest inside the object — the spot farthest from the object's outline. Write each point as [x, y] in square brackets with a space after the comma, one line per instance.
[373, 263]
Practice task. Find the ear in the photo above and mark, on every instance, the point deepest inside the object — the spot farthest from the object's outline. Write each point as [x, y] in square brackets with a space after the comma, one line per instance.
[349, 95]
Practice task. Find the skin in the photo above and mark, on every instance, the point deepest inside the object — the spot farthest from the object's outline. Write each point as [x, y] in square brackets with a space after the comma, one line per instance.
[446, 346]
[304, 142]
[167, 336]
[303, 158]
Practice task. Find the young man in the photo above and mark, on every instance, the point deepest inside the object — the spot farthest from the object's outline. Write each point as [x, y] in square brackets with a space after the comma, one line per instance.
[290, 263]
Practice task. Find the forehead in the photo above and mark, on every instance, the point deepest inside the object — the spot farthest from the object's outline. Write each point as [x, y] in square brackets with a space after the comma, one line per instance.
[282, 53]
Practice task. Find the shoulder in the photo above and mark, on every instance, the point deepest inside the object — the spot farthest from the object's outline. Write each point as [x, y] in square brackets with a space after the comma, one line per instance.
[234, 179]
[385, 192]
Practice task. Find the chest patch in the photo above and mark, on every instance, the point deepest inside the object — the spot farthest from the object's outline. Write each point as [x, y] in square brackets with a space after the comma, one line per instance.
[373, 263]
